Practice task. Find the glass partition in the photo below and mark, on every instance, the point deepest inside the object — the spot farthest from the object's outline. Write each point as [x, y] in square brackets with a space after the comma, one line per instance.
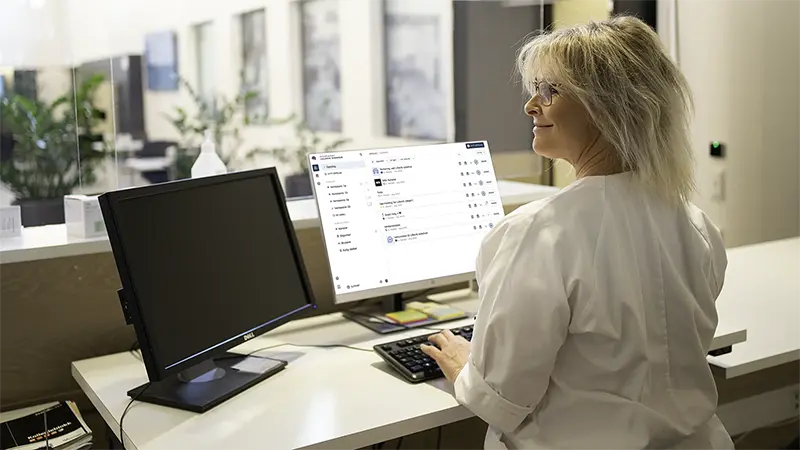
[56, 114]
[99, 95]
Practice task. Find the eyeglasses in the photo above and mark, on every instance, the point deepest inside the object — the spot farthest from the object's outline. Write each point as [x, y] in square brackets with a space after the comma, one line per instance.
[545, 91]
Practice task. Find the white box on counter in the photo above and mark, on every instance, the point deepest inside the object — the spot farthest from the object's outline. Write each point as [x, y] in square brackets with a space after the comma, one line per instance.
[83, 216]
[10, 221]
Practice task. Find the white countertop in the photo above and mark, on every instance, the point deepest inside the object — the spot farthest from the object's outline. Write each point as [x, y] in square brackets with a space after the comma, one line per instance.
[325, 398]
[51, 241]
[762, 292]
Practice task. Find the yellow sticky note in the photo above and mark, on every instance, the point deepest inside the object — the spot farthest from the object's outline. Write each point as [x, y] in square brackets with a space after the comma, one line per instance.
[407, 316]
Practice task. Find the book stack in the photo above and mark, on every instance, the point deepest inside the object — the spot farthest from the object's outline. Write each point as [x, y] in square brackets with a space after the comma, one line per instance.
[58, 426]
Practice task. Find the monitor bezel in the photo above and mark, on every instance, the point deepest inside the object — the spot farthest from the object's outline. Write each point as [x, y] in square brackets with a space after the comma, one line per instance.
[158, 370]
[392, 289]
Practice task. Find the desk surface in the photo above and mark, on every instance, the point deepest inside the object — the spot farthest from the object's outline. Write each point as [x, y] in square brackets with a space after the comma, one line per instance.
[762, 292]
[51, 241]
[325, 398]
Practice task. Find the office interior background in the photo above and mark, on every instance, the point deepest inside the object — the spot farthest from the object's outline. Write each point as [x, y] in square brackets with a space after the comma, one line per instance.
[113, 93]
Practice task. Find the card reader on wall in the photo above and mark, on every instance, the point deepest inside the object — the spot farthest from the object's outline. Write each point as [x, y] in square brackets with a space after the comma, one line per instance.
[717, 149]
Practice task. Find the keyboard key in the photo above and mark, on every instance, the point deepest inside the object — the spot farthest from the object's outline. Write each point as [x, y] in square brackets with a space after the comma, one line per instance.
[433, 372]
[416, 368]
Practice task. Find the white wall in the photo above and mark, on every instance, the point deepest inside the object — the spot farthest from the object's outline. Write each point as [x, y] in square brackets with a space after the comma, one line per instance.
[102, 28]
[32, 34]
[742, 59]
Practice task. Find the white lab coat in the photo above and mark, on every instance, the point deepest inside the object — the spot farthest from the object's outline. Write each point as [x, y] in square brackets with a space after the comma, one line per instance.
[597, 312]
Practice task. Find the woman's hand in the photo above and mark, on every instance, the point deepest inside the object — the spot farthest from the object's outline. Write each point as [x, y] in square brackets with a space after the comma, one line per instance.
[451, 355]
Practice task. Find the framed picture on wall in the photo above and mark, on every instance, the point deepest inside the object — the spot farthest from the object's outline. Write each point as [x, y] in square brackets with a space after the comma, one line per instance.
[161, 59]
[416, 95]
[321, 65]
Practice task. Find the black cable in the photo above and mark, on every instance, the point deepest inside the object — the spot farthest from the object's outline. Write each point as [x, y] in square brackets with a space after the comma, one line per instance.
[439, 438]
[332, 346]
[135, 397]
[46, 433]
[418, 294]
[245, 355]
[399, 443]
[133, 349]
[355, 305]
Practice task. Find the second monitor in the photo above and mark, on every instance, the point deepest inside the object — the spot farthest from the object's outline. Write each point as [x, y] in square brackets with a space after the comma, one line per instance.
[402, 219]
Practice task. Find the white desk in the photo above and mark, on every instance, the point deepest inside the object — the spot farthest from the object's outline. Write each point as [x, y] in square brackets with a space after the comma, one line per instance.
[51, 241]
[762, 293]
[326, 398]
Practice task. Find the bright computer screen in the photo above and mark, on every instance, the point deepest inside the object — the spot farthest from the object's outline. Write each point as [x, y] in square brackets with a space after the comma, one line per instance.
[404, 218]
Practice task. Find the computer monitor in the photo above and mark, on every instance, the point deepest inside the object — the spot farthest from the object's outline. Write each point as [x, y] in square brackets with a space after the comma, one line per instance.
[205, 264]
[407, 218]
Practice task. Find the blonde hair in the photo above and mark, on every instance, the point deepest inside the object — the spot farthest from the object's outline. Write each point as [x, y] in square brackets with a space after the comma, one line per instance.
[633, 93]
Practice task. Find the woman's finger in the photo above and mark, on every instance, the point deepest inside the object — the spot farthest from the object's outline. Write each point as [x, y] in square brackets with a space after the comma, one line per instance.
[448, 334]
[438, 339]
[431, 351]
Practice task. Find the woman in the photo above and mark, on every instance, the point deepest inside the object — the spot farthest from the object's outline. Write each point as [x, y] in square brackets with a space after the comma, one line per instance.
[597, 304]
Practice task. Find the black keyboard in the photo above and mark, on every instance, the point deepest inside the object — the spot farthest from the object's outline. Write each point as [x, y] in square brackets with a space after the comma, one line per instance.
[407, 358]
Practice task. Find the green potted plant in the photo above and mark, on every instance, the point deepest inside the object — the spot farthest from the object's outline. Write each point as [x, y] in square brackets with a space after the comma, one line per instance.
[50, 149]
[295, 156]
[224, 117]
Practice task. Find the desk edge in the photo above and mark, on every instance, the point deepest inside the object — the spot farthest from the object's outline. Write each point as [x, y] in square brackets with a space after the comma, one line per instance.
[104, 412]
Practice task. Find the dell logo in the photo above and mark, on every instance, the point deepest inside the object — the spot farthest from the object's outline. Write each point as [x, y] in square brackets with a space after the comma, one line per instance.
[249, 336]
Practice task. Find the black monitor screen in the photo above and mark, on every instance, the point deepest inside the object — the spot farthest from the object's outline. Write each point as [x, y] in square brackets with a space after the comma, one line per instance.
[209, 264]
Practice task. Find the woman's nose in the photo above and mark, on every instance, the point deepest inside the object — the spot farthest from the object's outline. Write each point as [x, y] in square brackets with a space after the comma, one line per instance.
[532, 108]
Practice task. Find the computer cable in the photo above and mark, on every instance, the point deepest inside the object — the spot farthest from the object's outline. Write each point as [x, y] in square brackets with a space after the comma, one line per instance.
[46, 433]
[332, 346]
[743, 436]
[418, 294]
[125, 412]
[379, 446]
[288, 344]
[133, 350]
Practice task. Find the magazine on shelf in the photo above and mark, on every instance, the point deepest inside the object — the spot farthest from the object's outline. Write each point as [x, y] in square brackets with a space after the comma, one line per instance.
[59, 426]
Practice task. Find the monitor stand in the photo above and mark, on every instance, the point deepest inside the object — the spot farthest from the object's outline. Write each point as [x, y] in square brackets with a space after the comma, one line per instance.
[373, 318]
[206, 385]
